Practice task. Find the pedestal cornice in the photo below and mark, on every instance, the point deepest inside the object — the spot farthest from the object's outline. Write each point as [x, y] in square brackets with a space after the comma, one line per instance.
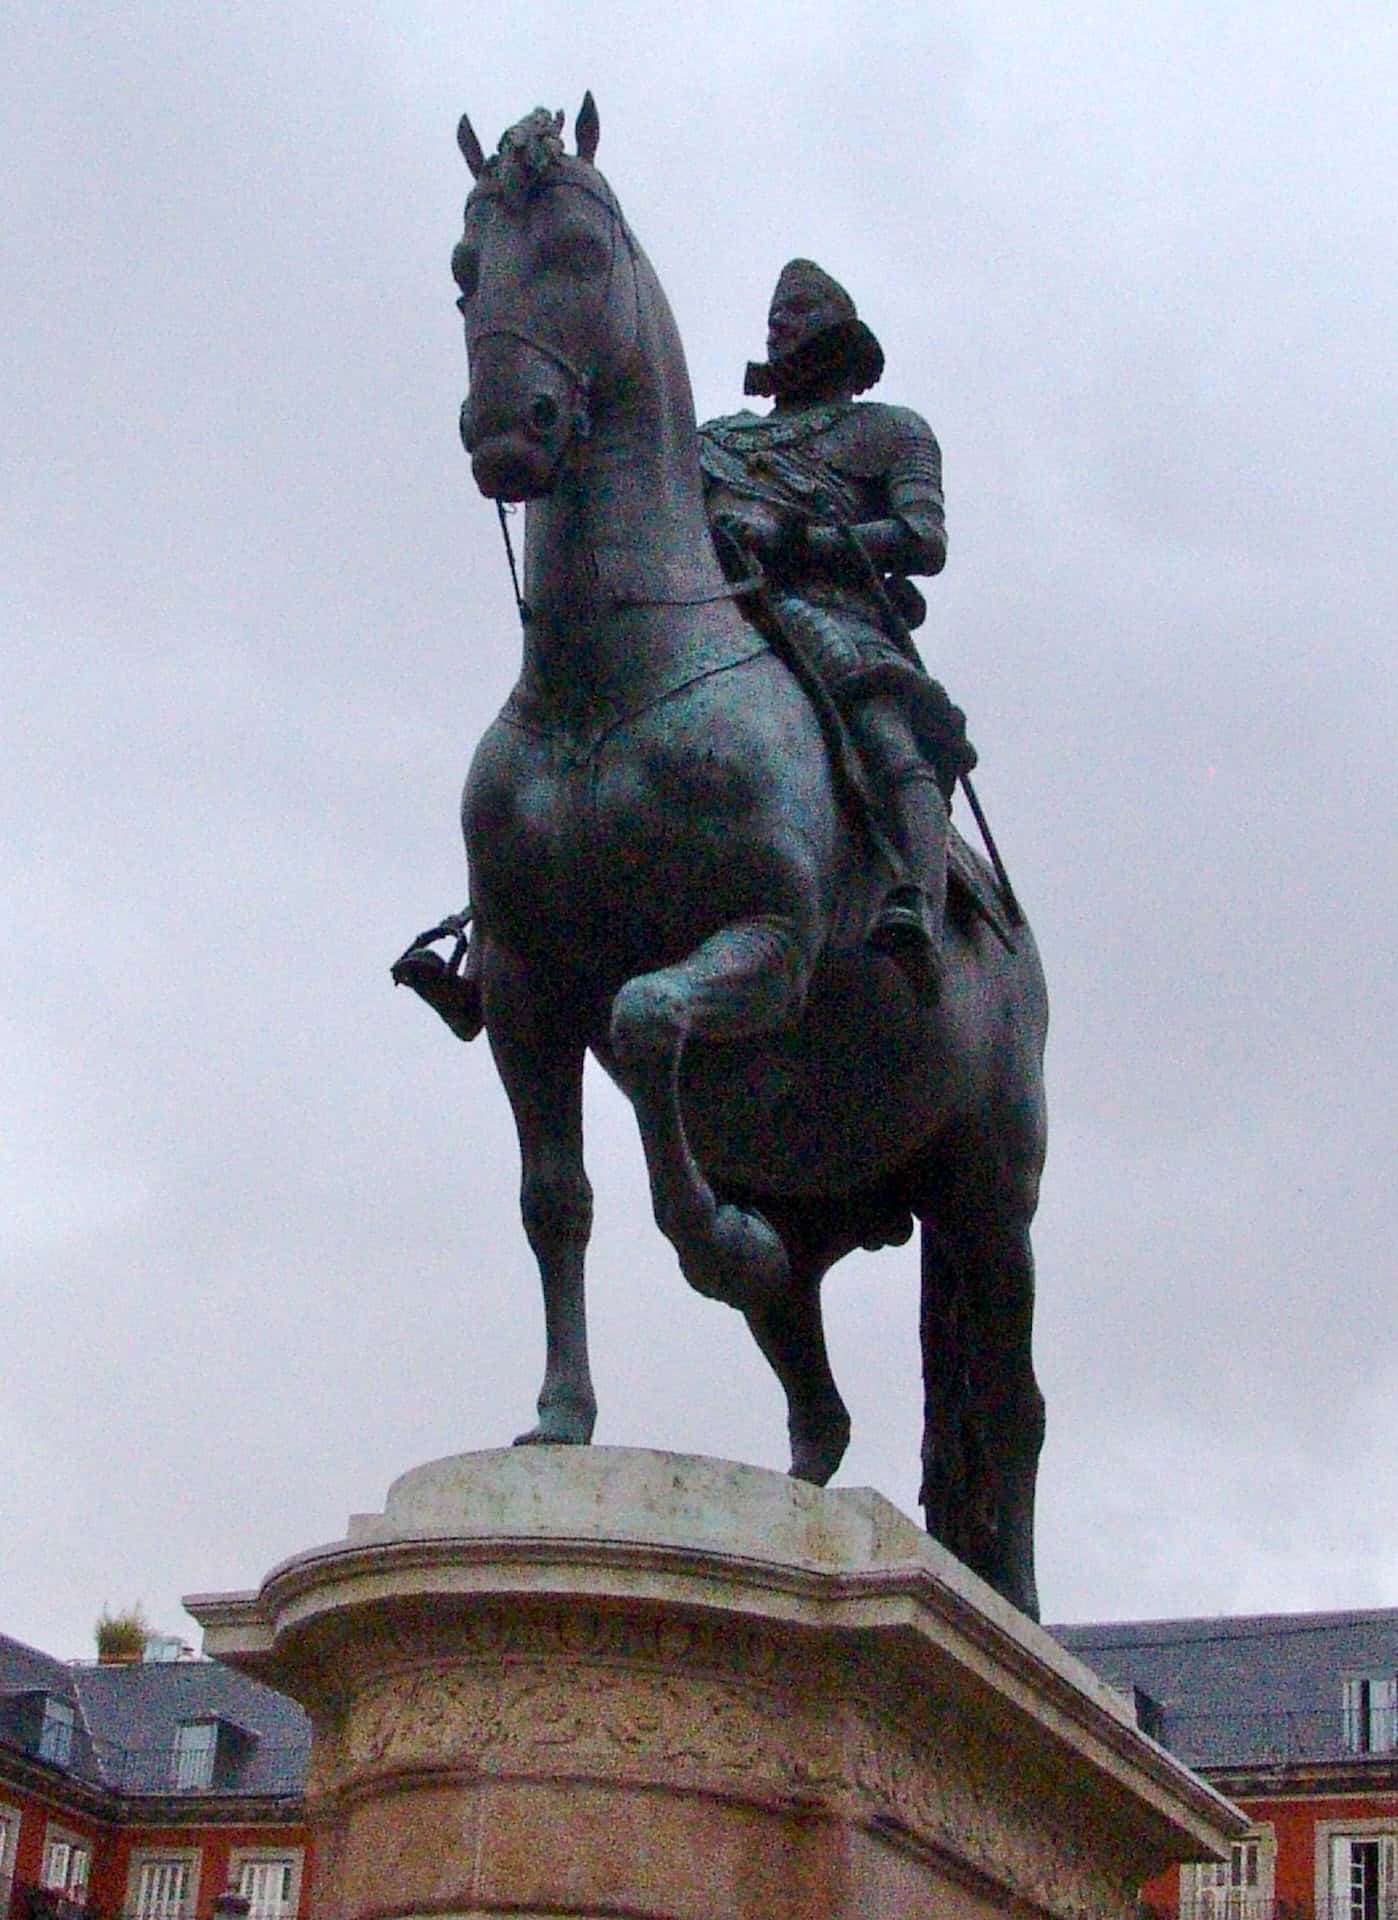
[609, 1622]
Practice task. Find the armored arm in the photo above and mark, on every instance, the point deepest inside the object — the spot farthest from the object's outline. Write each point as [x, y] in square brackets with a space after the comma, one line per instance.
[895, 545]
[915, 495]
[911, 536]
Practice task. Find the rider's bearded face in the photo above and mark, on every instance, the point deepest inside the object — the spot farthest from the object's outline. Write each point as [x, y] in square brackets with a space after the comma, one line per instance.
[796, 317]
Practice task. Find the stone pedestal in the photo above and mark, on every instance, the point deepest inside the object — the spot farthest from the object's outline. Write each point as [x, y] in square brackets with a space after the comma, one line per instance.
[605, 1682]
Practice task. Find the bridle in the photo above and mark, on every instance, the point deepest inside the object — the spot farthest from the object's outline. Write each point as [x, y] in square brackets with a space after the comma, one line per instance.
[582, 379]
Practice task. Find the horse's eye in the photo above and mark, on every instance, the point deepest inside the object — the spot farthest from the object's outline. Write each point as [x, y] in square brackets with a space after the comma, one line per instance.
[465, 268]
[574, 251]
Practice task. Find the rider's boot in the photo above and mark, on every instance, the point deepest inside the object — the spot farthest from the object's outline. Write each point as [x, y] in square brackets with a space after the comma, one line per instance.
[908, 924]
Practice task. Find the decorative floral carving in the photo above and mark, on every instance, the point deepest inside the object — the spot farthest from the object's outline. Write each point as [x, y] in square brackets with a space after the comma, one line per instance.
[604, 1719]
[688, 1702]
[949, 1787]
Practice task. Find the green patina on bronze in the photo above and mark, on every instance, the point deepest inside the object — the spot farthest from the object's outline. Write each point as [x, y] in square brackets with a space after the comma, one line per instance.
[707, 841]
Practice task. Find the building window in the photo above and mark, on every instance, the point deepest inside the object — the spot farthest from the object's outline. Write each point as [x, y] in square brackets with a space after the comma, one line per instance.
[66, 1865]
[56, 1732]
[1238, 1888]
[196, 1743]
[269, 1881]
[1363, 1883]
[163, 1886]
[1370, 1712]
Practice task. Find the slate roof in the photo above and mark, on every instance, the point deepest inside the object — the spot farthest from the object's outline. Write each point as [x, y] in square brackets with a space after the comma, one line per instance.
[27, 1679]
[1248, 1691]
[24, 1668]
[128, 1715]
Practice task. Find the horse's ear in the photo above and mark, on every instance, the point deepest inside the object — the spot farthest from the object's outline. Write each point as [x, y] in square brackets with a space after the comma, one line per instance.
[588, 128]
[470, 147]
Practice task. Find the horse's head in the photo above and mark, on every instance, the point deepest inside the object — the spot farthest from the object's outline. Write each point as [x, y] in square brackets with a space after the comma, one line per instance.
[546, 269]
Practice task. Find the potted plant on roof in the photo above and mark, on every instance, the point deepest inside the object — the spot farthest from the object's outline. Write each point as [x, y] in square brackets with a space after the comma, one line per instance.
[121, 1637]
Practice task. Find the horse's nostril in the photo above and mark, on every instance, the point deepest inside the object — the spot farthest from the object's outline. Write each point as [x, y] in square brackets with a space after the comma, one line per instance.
[543, 413]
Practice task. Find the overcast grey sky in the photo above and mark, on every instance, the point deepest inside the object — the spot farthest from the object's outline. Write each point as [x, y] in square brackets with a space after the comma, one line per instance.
[257, 1212]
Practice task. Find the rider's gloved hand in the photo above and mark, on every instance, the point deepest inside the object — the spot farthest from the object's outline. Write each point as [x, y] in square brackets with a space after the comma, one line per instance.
[755, 527]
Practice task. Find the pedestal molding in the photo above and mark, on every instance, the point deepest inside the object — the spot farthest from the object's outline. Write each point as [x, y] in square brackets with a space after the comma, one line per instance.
[493, 1707]
[904, 1598]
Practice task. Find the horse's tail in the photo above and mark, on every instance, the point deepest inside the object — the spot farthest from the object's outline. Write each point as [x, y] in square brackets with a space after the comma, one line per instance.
[951, 1466]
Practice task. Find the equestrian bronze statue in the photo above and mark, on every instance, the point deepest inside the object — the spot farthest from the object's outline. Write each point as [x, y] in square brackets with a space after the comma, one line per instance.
[707, 841]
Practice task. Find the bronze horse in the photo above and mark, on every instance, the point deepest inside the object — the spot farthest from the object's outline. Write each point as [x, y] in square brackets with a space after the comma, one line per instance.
[662, 872]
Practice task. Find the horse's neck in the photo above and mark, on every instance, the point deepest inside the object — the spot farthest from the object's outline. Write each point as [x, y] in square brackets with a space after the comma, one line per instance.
[626, 526]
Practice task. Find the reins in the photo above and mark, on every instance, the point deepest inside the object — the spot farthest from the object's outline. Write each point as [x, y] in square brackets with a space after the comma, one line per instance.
[526, 612]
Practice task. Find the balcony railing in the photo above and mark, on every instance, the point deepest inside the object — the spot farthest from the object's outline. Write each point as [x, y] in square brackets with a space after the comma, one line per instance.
[253, 1769]
[1239, 1904]
[1235, 1904]
[30, 1902]
[1276, 1737]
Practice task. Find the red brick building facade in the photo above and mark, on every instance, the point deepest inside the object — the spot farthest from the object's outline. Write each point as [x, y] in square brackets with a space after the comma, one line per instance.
[1294, 1717]
[147, 1790]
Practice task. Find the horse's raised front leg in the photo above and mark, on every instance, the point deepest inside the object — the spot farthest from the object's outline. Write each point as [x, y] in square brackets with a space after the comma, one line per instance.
[747, 978]
[539, 1050]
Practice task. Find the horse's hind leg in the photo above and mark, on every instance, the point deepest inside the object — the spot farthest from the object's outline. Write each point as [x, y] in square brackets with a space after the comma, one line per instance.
[790, 1330]
[949, 1479]
[746, 979]
[1006, 1428]
[539, 1051]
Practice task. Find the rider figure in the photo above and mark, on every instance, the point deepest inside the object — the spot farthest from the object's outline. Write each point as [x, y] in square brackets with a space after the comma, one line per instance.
[840, 500]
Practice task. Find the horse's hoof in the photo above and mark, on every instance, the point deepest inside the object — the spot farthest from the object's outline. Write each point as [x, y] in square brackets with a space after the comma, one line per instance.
[744, 1262]
[547, 1435]
[816, 1455]
[560, 1426]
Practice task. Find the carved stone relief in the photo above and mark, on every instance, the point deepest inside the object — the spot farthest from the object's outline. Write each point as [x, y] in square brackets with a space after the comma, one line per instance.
[690, 1705]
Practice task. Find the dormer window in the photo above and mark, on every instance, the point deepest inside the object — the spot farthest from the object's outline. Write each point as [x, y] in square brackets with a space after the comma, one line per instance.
[56, 1732]
[209, 1755]
[196, 1746]
[1369, 1712]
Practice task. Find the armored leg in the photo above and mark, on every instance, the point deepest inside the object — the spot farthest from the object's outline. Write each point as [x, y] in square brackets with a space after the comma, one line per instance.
[908, 924]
